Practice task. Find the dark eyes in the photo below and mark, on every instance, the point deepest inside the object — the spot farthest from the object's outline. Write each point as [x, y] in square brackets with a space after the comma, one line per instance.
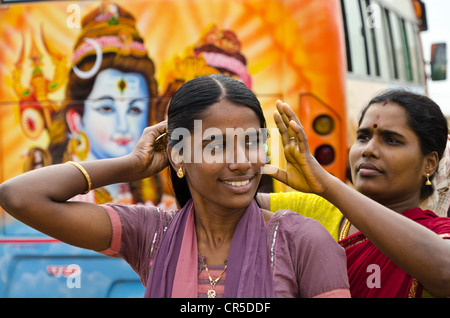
[110, 109]
[105, 109]
[392, 140]
[219, 144]
[135, 110]
[387, 139]
[362, 137]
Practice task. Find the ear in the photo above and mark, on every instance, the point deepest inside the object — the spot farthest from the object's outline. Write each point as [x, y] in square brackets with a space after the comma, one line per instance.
[73, 119]
[431, 163]
[175, 158]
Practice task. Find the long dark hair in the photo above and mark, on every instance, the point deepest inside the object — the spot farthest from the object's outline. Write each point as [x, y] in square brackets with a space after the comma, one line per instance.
[189, 103]
[425, 118]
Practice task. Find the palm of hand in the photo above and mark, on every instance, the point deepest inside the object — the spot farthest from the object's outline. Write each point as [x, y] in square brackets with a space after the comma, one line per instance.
[302, 170]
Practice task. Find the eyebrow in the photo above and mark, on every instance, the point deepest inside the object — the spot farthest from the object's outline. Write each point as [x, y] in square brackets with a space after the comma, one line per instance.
[102, 98]
[382, 132]
[138, 100]
[109, 98]
[224, 136]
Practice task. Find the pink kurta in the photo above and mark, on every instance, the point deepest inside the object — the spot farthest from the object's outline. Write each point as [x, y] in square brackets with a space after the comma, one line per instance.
[306, 261]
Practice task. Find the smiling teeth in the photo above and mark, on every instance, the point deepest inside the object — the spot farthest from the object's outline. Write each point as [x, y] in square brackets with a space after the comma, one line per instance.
[237, 183]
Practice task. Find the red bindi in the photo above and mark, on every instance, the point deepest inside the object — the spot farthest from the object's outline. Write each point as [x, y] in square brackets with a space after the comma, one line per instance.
[375, 126]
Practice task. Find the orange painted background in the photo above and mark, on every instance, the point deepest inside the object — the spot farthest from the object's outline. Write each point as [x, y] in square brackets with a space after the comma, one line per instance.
[291, 47]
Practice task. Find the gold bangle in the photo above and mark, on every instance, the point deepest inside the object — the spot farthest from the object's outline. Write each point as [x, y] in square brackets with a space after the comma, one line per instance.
[345, 229]
[84, 172]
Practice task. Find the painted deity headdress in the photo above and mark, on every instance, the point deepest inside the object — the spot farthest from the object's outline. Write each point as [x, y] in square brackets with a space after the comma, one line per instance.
[108, 29]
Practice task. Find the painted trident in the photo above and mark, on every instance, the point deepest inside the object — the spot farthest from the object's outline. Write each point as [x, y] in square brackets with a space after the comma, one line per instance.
[35, 106]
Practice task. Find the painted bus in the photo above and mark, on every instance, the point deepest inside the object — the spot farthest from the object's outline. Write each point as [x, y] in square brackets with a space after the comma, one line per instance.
[326, 58]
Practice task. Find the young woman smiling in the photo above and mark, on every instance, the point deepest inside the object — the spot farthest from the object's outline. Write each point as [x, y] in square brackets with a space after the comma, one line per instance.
[220, 244]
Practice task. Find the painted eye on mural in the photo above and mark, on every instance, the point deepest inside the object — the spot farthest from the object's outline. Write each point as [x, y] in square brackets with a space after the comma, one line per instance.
[135, 111]
[105, 109]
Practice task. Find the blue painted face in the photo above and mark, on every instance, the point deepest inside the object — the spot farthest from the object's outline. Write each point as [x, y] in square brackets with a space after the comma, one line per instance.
[115, 113]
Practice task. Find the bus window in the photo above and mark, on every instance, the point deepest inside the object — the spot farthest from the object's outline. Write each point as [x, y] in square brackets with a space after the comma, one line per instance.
[355, 38]
[400, 50]
[369, 14]
[347, 39]
[366, 41]
[409, 74]
[391, 46]
[383, 49]
[416, 56]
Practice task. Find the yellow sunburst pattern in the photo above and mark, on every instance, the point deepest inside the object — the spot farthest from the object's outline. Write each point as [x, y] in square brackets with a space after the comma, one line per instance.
[284, 47]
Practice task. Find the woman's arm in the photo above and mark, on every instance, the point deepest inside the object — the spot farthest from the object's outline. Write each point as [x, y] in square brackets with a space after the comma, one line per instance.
[39, 198]
[417, 250]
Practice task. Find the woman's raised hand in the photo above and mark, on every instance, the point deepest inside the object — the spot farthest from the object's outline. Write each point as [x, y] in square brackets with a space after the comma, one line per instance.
[303, 172]
[151, 149]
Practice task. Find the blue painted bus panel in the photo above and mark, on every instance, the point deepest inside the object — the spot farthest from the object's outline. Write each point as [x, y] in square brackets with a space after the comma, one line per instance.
[35, 265]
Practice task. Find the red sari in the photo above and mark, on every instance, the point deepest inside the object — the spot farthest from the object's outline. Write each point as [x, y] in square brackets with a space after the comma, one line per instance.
[372, 275]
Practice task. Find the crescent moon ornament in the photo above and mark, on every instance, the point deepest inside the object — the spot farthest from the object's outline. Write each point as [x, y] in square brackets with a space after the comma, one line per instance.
[98, 61]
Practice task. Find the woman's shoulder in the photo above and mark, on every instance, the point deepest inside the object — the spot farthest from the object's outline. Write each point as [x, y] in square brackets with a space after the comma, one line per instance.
[135, 223]
[308, 248]
[139, 213]
[438, 224]
[311, 206]
[138, 208]
[299, 228]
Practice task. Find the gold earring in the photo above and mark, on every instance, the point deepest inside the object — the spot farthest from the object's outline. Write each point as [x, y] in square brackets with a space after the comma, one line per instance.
[428, 183]
[180, 173]
[79, 146]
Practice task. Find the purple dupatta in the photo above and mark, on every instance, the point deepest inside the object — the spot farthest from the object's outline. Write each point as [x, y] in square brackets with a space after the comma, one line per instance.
[249, 272]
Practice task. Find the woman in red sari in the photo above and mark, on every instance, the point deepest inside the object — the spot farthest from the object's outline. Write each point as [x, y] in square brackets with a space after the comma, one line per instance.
[394, 249]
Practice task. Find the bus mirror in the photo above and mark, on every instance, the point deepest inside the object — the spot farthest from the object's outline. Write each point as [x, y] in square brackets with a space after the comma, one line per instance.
[421, 12]
[438, 61]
